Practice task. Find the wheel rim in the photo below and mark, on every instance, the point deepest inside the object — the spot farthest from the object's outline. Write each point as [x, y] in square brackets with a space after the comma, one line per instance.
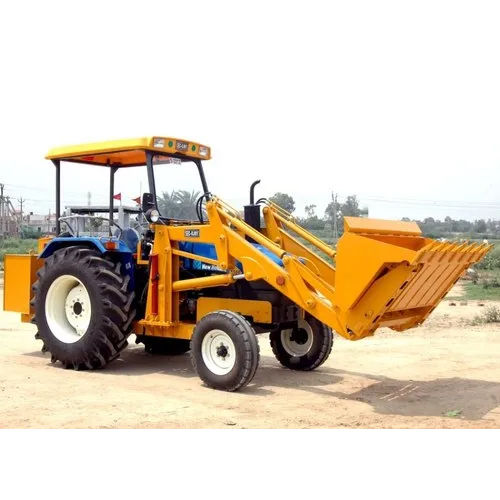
[68, 309]
[297, 342]
[218, 352]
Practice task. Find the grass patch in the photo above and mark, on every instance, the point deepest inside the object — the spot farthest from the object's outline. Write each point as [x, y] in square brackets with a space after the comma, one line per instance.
[453, 413]
[485, 286]
[454, 299]
[16, 245]
[476, 291]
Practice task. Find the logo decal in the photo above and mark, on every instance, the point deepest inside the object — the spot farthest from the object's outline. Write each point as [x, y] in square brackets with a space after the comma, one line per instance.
[192, 233]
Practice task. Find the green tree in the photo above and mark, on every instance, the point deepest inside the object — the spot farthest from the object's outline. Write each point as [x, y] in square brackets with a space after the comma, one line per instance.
[350, 208]
[187, 204]
[311, 220]
[179, 204]
[310, 211]
[166, 204]
[284, 200]
[480, 226]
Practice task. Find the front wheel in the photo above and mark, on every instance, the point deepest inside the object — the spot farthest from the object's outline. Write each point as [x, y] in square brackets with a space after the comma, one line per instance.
[303, 347]
[224, 350]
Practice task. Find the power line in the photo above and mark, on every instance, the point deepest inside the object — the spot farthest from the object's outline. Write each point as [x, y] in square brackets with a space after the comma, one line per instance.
[427, 202]
[441, 204]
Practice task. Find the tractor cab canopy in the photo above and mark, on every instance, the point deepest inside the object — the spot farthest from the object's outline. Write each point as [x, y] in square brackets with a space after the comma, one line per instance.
[129, 153]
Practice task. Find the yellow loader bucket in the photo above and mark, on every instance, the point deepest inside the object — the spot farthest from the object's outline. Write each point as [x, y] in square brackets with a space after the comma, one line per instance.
[388, 274]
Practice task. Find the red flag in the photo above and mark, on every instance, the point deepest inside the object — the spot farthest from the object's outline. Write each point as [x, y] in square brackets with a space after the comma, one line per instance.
[137, 200]
[118, 197]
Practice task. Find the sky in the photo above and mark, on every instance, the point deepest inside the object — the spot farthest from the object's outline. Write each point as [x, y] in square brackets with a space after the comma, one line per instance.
[396, 102]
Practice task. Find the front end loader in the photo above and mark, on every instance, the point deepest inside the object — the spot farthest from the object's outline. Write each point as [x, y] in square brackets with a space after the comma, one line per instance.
[209, 285]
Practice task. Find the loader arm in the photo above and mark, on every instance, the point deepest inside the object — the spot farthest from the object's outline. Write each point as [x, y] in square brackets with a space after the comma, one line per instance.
[386, 273]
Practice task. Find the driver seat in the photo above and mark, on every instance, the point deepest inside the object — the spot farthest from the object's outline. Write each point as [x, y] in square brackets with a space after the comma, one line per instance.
[130, 237]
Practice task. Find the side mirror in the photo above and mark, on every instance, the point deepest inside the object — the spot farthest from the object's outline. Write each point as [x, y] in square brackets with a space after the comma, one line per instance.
[148, 202]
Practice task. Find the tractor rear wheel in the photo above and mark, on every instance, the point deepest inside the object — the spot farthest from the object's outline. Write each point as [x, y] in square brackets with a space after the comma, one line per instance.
[224, 350]
[83, 308]
[160, 345]
[304, 347]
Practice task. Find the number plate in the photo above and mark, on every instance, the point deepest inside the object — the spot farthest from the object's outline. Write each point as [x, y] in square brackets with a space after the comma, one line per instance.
[161, 160]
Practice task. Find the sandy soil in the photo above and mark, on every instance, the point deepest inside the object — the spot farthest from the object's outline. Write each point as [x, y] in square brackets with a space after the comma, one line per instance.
[410, 379]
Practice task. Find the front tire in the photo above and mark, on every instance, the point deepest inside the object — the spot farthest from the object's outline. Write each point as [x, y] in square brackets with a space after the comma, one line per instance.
[224, 350]
[83, 308]
[304, 347]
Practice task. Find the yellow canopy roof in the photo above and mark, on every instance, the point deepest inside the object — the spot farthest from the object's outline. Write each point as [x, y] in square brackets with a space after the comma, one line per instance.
[128, 152]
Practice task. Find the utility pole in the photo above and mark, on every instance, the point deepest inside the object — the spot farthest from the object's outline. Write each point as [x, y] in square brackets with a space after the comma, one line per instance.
[7, 225]
[335, 226]
[21, 201]
[2, 211]
[20, 223]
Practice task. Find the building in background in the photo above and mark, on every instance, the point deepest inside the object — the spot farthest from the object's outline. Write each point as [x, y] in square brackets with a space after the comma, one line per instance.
[39, 223]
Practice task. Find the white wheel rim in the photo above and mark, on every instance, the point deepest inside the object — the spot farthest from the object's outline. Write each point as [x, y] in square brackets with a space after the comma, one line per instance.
[218, 352]
[68, 309]
[290, 343]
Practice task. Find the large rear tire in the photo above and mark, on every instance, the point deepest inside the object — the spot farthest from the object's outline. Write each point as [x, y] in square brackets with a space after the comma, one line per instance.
[83, 308]
[304, 347]
[224, 350]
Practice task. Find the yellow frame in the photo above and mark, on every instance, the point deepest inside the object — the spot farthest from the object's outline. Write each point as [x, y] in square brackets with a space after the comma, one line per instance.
[227, 232]
[387, 273]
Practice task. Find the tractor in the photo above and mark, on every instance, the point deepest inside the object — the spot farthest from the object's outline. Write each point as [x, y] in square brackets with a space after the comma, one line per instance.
[210, 285]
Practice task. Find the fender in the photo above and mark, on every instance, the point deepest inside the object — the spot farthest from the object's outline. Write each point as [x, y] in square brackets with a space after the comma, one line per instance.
[123, 252]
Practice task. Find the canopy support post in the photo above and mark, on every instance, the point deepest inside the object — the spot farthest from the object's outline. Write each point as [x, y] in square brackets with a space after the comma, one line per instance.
[57, 164]
[112, 171]
[202, 177]
[151, 176]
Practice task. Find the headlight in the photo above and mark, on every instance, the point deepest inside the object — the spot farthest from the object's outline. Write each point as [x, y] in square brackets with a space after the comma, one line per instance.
[203, 151]
[153, 215]
[158, 142]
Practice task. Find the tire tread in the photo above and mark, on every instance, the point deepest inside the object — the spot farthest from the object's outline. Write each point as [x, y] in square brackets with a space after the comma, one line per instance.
[114, 327]
[305, 363]
[250, 347]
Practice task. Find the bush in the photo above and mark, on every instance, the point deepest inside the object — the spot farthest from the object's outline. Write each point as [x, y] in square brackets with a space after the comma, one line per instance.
[16, 245]
[490, 315]
[490, 283]
[491, 260]
[29, 232]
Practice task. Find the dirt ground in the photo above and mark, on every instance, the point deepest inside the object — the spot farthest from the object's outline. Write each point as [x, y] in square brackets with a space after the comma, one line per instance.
[411, 379]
